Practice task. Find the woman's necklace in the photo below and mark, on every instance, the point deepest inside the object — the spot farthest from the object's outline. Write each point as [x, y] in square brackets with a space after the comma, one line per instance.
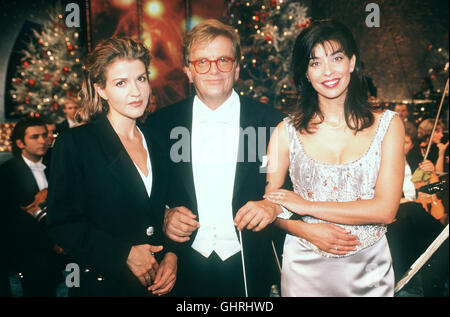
[334, 126]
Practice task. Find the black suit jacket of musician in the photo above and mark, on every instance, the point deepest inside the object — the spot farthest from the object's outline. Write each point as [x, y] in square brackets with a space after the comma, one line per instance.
[24, 236]
[98, 207]
[249, 180]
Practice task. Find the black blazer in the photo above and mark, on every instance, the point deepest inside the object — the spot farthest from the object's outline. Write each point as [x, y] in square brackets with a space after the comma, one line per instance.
[249, 180]
[26, 237]
[98, 207]
[63, 126]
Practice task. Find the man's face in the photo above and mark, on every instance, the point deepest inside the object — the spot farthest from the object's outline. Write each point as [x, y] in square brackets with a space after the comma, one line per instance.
[51, 130]
[408, 144]
[402, 111]
[214, 87]
[70, 109]
[34, 144]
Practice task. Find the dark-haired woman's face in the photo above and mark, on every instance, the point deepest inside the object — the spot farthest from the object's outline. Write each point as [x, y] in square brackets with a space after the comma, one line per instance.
[329, 71]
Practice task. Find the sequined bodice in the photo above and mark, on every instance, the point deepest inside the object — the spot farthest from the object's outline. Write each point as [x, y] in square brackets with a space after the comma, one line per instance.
[316, 181]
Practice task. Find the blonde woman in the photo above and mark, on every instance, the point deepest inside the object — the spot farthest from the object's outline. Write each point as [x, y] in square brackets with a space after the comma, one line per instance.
[106, 193]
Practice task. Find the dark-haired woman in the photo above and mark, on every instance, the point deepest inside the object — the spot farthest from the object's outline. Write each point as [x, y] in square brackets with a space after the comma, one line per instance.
[346, 166]
[106, 196]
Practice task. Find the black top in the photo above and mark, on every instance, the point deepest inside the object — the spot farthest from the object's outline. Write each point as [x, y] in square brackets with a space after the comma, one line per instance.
[98, 207]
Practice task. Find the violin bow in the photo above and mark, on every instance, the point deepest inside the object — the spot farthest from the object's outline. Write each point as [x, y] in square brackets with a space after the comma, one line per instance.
[436, 121]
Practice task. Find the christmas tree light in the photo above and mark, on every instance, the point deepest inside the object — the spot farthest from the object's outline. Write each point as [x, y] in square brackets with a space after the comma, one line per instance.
[268, 29]
[50, 69]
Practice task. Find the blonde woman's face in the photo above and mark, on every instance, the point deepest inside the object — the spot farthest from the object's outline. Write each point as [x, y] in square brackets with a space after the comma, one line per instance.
[438, 134]
[127, 89]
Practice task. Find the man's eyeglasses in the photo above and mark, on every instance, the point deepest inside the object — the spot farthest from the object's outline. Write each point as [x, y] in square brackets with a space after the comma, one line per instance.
[203, 65]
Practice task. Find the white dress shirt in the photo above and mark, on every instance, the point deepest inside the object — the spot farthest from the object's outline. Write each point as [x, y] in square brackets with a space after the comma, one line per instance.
[72, 123]
[215, 142]
[38, 172]
[409, 191]
[147, 180]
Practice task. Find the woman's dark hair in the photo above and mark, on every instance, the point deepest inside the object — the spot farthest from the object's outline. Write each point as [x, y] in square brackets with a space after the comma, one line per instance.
[358, 111]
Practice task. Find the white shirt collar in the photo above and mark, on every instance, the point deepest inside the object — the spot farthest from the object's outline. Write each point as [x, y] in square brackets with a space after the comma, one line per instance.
[223, 114]
[34, 165]
[71, 123]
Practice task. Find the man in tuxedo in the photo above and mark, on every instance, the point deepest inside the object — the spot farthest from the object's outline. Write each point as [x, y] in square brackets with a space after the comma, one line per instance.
[51, 137]
[215, 144]
[70, 108]
[402, 110]
[24, 191]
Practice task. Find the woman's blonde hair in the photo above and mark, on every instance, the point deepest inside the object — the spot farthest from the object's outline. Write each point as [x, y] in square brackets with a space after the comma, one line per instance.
[205, 32]
[426, 127]
[104, 54]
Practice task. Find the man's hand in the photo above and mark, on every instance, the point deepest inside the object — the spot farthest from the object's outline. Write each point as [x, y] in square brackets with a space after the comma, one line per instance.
[142, 263]
[256, 215]
[179, 223]
[58, 250]
[31, 209]
[166, 275]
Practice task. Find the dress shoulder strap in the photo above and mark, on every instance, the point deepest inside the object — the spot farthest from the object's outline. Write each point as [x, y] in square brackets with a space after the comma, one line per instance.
[383, 126]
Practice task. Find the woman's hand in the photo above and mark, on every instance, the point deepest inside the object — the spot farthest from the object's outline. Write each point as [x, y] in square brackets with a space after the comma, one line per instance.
[165, 276]
[442, 148]
[329, 238]
[142, 263]
[288, 199]
[427, 166]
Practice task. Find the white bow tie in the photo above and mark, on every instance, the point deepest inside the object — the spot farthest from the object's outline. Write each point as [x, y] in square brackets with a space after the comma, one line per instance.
[204, 116]
[38, 167]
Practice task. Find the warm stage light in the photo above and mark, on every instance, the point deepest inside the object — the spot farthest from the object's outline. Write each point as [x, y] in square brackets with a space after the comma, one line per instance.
[154, 9]
[123, 3]
[194, 20]
[153, 73]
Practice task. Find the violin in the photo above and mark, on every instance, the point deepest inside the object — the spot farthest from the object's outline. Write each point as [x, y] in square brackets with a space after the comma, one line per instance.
[430, 202]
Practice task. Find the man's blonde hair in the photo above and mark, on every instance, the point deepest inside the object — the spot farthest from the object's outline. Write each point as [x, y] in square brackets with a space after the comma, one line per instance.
[205, 32]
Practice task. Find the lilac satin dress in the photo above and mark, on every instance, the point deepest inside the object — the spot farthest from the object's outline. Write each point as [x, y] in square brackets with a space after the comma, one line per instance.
[309, 271]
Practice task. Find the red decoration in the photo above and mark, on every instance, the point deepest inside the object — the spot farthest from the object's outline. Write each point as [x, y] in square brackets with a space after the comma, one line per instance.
[56, 82]
[19, 80]
[66, 69]
[54, 106]
[31, 82]
[69, 47]
[27, 100]
[26, 64]
[47, 77]
[273, 3]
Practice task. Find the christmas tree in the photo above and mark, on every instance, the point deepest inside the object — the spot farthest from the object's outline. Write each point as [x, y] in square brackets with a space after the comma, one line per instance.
[50, 69]
[268, 29]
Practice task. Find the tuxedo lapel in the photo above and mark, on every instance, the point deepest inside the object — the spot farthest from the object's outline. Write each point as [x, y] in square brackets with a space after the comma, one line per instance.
[247, 119]
[27, 180]
[185, 168]
[119, 163]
